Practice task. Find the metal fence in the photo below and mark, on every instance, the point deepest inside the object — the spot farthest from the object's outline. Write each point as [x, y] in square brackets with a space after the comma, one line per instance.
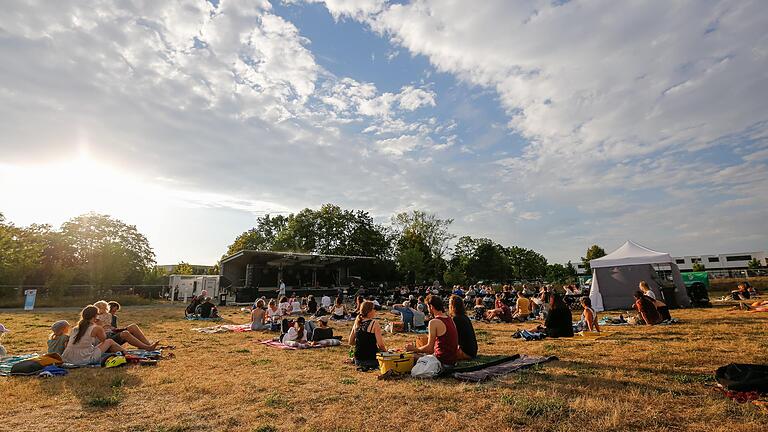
[13, 295]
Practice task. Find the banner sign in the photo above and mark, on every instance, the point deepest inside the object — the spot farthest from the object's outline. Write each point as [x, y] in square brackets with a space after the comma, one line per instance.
[29, 301]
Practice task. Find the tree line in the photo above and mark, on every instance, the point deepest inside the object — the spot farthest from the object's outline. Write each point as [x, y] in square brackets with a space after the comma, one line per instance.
[413, 247]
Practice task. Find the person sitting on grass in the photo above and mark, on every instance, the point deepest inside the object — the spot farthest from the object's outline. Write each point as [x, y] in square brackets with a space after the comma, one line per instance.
[259, 316]
[296, 306]
[322, 331]
[741, 293]
[522, 307]
[559, 322]
[443, 339]
[366, 338]
[274, 314]
[207, 309]
[358, 301]
[406, 314]
[466, 333]
[59, 337]
[647, 310]
[339, 311]
[662, 308]
[88, 340]
[3, 331]
[131, 334]
[419, 317]
[501, 311]
[296, 334]
[311, 305]
[285, 306]
[588, 320]
[646, 290]
[479, 309]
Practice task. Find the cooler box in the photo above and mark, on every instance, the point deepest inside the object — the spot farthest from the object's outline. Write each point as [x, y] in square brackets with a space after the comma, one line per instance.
[401, 363]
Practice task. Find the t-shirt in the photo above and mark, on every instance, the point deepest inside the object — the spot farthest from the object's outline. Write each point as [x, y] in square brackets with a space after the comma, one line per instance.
[296, 307]
[293, 335]
[285, 307]
[650, 294]
[57, 345]
[467, 339]
[559, 323]
[326, 302]
[104, 319]
[418, 318]
[322, 333]
[523, 305]
[272, 314]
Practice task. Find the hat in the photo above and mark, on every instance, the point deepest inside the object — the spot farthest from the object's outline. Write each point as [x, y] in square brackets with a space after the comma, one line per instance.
[3, 329]
[58, 325]
[323, 318]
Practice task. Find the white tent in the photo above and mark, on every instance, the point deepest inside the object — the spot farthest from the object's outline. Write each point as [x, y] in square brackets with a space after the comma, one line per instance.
[615, 277]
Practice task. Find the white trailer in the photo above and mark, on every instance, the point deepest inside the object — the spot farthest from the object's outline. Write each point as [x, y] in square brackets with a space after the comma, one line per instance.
[186, 286]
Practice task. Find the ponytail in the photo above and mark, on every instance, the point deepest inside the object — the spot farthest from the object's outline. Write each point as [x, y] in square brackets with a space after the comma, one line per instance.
[88, 313]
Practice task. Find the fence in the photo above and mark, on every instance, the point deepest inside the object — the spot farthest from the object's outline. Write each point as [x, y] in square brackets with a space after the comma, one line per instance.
[12, 296]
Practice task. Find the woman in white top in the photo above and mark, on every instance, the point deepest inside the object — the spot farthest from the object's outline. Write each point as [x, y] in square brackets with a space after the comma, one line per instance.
[273, 312]
[88, 341]
[647, 290]
[285, 306]
[296, 307]
[297, 334]
[339, 311]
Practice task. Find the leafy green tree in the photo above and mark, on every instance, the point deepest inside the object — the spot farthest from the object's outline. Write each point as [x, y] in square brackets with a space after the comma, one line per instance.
[422, 234]
[108, 250]
[753, 264]
[571, 272]
[214, 270]
[183, 268]
[593, 252]
[21, 252]
[261, 237]
[698, 267]
[488, 262]
[556, 273]
[526, 264]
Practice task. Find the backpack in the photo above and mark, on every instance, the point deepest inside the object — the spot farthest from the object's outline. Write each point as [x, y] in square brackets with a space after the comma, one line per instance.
[743, 377]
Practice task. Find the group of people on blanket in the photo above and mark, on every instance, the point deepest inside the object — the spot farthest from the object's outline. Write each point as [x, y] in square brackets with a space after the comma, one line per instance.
[450, 334]
[97, 333]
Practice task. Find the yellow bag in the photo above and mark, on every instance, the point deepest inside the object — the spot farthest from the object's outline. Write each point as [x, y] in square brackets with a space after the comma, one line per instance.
[401, 363]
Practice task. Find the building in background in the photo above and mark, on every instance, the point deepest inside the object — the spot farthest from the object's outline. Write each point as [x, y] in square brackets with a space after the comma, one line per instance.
[722, 265]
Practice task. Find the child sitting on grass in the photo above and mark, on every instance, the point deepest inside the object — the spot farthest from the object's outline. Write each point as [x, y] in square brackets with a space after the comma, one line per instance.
[59, 337]
[3, 331]
[479, 309]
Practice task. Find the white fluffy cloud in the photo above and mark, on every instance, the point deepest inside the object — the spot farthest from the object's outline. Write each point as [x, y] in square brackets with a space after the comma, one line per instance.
[626, 102]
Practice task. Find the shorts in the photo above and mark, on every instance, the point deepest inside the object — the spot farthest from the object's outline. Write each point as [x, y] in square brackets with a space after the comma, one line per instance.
[116, 337]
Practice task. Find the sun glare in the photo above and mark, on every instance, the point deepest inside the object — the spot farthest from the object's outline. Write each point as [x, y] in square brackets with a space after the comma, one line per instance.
[54, 192]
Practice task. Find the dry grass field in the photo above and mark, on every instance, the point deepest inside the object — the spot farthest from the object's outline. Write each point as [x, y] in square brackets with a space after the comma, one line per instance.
[649, 379]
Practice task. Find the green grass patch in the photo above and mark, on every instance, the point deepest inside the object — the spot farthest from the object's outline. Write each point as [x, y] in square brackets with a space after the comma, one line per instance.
[348, 381]
[549, 407]
[692, 378]
[104, 401]
[261, 362]
[241, 351]
[274, 400]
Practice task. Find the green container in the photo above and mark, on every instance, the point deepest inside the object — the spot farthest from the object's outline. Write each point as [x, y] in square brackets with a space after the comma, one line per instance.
[690, 278]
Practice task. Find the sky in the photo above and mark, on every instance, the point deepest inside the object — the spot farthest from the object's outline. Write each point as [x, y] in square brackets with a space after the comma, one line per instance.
[550, 125]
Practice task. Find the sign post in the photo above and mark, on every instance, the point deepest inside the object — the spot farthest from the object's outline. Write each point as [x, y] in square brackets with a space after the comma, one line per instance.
[29, 301]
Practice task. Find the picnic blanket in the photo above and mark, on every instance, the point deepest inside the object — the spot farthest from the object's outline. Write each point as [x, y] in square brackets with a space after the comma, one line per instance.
[6, 363]
[197, 318]
[481, 362]
[224, 328]
[295, 346]
[521, 362]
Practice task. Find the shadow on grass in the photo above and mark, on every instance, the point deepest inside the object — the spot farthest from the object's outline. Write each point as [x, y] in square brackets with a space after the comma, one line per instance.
[95, 388]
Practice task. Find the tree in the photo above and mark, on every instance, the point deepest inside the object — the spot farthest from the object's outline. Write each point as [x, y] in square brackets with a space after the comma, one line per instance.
[261, 237]
[571, 272]
[753, 264]
[183, 268]
[100, 244]
[424, 235]
[698, 267]
[557, 273]
[21, 251]
[526, 264]
[593, 252]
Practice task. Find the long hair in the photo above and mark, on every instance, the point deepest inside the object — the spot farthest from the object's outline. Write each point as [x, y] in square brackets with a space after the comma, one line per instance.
[556, 302]
[300, 332]
[456, 306]
[644, 286]
[365, 308]
[86, 315]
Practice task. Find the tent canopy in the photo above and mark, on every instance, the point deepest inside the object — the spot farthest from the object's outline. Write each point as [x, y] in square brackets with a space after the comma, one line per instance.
[631, 253]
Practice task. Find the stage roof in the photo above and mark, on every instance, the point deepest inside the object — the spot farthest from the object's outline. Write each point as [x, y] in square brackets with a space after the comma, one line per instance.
[276, 259]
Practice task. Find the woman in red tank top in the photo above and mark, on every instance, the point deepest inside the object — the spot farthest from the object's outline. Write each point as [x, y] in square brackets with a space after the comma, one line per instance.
[443, 340]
